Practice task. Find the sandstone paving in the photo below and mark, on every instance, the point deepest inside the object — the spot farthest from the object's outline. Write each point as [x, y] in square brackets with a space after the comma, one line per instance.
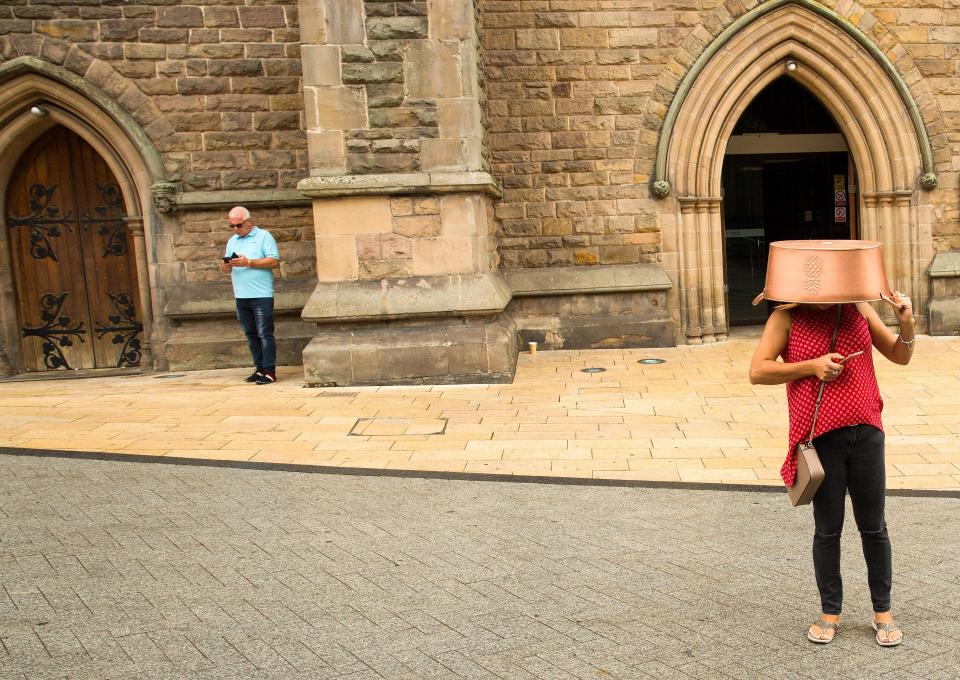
[694, 418]
[112, 569]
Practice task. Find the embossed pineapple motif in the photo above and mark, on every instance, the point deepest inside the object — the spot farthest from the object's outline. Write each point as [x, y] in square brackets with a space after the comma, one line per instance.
[812, 269]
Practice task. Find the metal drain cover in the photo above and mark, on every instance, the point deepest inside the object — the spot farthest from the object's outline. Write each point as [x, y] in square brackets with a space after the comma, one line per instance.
[392, 427]
[652, 361]
[593, 369]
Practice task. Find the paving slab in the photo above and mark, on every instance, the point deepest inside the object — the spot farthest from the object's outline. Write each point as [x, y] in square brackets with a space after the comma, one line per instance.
[119, 569]
[693, 419]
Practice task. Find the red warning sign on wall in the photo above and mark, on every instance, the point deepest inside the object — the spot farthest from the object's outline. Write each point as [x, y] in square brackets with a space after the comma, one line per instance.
[840, 214]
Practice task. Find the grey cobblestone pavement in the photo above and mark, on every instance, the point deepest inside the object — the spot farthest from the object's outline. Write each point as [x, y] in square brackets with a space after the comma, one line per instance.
[126, 570]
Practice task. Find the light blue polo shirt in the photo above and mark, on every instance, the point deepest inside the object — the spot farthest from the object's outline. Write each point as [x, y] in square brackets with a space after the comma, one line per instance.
[247, 281]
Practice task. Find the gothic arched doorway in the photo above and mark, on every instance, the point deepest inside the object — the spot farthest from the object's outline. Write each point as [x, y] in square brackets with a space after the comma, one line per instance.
[830, 56]
[787, 174]
[74, 265]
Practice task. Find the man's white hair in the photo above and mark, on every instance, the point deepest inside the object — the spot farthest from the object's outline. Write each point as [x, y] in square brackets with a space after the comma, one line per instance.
[240, 212]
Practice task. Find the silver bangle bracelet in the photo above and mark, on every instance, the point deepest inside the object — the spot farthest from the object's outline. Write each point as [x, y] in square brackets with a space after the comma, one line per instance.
[908, 343]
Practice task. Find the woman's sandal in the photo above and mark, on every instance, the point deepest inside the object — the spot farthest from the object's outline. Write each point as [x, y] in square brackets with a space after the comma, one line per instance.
[887, 628]
[824, 626]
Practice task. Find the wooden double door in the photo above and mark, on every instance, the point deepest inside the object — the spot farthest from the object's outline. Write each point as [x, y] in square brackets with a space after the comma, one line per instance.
[73, 259]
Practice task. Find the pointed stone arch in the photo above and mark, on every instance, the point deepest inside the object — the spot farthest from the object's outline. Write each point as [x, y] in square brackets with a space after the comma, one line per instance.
[867, 98]
[69, 100]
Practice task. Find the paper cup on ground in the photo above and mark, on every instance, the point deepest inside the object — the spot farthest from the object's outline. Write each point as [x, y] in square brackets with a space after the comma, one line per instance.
[532, 346]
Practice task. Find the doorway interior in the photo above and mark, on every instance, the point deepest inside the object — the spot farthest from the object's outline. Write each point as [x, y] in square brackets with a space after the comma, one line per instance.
[73, 259]
[787, 174]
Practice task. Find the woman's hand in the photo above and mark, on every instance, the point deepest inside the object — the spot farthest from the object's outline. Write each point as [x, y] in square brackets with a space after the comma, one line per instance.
[828, 367]
[902, 306]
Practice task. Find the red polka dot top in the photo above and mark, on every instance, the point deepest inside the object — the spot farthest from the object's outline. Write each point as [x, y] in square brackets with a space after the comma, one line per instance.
[851, 399]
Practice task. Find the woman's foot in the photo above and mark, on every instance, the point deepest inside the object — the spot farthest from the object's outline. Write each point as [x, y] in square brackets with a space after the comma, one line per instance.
[888, 632]
[824, 629]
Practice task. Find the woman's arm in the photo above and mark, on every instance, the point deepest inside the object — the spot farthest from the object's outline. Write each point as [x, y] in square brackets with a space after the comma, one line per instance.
[766, 370]
[896, 348]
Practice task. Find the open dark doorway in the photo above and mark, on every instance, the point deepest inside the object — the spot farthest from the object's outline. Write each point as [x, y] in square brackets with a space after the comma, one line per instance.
[787, 174]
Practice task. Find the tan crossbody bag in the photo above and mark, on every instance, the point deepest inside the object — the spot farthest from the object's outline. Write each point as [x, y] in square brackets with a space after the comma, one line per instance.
[809, 470]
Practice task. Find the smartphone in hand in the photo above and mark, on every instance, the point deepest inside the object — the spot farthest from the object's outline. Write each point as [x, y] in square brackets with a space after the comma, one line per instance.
[851, 356]
[227, 258]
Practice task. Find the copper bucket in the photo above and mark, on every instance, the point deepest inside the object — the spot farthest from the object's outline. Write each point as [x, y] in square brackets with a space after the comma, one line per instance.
[825, 272]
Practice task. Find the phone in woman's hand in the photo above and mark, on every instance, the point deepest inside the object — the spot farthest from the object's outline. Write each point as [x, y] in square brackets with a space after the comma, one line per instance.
[851, 356]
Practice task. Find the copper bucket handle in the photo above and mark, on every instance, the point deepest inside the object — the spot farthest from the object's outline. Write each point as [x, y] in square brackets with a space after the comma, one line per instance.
[757, 300]
[890, 300]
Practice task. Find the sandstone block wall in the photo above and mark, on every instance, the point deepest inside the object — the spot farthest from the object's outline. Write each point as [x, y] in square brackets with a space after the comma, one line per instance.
[380, 237]
[577, 91]
[203, 235]
[391, 87]
[216, 87]
[567, 86]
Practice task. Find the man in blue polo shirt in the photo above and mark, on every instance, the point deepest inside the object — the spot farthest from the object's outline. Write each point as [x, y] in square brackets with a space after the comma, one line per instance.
[250, 256]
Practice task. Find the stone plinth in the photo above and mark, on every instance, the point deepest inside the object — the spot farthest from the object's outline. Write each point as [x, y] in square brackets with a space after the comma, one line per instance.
[430, 329]
[943, 312]
[205, 334]
[594, 307]
[408, 289]
[439, 351]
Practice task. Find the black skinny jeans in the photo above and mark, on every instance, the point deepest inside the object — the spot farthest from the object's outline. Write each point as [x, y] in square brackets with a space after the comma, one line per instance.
[852, 458]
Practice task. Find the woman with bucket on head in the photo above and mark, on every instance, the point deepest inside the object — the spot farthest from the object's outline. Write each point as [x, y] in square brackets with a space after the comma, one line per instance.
[825, 332]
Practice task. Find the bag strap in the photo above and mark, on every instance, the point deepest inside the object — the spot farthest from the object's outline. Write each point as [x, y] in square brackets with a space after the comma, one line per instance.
[833, 344]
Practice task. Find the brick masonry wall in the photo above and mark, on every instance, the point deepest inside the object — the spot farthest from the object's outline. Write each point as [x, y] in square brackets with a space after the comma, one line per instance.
[203, 236]
[576, 92]
[377, 237]
[391, 87]
[215, 86]
[567, 85]
[930, 35]
[397, 123]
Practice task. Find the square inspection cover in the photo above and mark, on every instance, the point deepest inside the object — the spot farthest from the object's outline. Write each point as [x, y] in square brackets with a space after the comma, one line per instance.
[387, 427]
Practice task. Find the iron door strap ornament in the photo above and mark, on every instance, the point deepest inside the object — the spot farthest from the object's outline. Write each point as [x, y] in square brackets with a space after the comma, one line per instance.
[56, 332]
[43, 221]
[126, 329]
[109, 220]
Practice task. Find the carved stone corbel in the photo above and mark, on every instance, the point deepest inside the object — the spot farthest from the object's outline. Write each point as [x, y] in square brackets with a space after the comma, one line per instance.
[661, 188]
[163, 194]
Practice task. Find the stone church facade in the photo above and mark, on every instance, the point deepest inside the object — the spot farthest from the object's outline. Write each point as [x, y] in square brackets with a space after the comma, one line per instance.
[448, 179]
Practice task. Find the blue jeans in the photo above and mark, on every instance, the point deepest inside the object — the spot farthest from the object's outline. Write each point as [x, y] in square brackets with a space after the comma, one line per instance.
[852, 458]
[256, 318]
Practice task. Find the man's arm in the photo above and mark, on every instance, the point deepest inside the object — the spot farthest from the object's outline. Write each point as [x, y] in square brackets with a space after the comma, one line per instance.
[260, 262]
[271, 255]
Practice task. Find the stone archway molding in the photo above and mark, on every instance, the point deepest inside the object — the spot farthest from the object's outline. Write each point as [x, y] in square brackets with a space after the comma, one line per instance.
[25, 66]
[661, 186]
[869, 101]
